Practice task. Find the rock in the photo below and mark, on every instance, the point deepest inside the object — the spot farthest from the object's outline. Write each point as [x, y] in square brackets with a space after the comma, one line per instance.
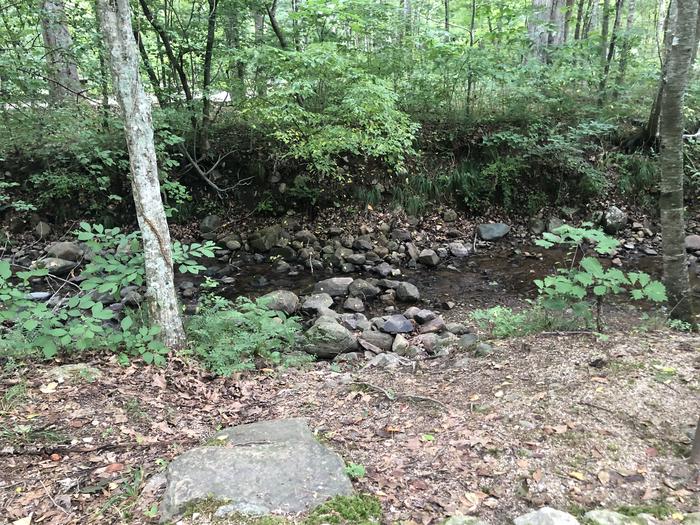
[263, 240]
[692, 519]
[457, 249]
[467, 342]
[400, 345]
[463, 520]
[407, 293]
[608, 517]
[397, 324]
[56, 266]
[74, 373]
[412, 251]
[356, 258]
[692, 243]
[316, 301]
[354, 304]
[553, 223]
[379, 339]
[39, 296]
[546, 516]
[384, 269]
[423, 316]
[427, 341]
[327, 339]
[435, 325]
[492, 232]
[209, 223]
[401, 235]
[449, 216]
[363, 243]
[442, 253]
[42, 229]
[233, 245]
[305, 237]
[364, 289]
[482, 349]
[411, 312]
[131, 297]
[286, 253]
[537, 226]
[65, 250]
[456, 328]
[335, 286]
[355, 321]
[282, 301]
[614, 220]
[428, 257]
[388, 361]
[281, 469]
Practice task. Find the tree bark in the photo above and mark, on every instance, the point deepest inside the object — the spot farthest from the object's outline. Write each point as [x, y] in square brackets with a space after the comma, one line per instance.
[61, 66]
[447, 16]
[671, 189]
[695, 451]
[115, 21]
[276, 27]
[605, 29]
[619, 5]
[206, 83]
[626, 44]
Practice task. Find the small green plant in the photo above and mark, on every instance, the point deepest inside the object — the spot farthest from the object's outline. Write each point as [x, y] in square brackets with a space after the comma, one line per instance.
[502, 322]
[585, 283]
[12, 397]
[228, 340]
[355, 470]
[347, 510]
[679, 325]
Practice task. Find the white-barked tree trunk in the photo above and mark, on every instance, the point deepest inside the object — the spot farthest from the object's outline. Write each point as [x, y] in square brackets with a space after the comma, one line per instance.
[115, 22]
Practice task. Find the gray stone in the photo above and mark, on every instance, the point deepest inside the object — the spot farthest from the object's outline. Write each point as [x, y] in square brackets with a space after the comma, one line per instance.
[428, 257]
[364, 289]
[435, 325]
[233, 245]
[692, 243]
[483, 349]
[209, 223]
[282, 301]
[286, 253]
[401, 235]
[131, 297]
[546, 516]
[449, 216]
[305, 237]
[467, 342]
[413, 252]
[537, 226]
[263, 240]
[356, 321]
[265, 467]
[608, 517]
[379, 339]
[397, 324]
[363, 243]
[493, 231]
[316, 301]
[400, 345]
[407, 292]
[39, 296]
[427, 341]
[335, 286]
[614, 220]
[553, 223]
[411, 312]
[56, 266]
[457, 249]
[42, 229]
[354, 304]
[327, 338]
[74, 372]
[384, 269]
[388, 361]
[65, 250]
[356, 258]
[456, 328]
[423, 316]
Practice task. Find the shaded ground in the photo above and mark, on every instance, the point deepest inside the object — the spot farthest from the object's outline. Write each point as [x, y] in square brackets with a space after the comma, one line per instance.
[568, 421]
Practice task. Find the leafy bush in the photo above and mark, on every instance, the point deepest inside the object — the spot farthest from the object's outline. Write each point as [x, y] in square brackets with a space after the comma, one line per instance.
[585, 283]
[231, 337]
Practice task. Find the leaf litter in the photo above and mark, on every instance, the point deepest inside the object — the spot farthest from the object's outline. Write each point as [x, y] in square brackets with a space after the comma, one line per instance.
[538, 422]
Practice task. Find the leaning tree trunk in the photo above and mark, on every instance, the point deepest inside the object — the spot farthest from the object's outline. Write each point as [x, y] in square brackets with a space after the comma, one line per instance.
[695, 452]
[671, 133]
[62, 69]
[115, 19]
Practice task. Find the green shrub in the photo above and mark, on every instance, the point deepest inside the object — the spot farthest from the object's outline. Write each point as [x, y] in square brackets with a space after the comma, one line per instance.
[229, 338]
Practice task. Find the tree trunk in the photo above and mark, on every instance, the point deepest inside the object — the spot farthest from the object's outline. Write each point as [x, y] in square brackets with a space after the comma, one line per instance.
[537, 27]
[626, 45]
[605, 29]
[447, 16]
[671, 159]
[579, 20]
[695, 452]
[115, 19]
[275, 26]
[206, 83]
[619, 5]
[62, 69]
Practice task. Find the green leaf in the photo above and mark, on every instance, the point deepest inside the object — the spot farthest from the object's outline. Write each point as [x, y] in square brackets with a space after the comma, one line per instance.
[5, 269]
[600, 290]
[127, 323]
[656, 291]
[592, 266]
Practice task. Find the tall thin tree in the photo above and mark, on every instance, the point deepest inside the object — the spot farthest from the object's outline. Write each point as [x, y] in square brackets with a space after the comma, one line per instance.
[62, 70]
[115, 22]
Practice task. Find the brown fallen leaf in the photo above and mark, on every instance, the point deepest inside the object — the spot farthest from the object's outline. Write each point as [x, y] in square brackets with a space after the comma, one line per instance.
[577, 475]
[537, 475]
[604, 477]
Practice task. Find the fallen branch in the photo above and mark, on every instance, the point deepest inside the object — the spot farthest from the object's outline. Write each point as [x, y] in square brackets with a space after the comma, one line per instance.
[45, 451]
[204, 175]
[395, 397]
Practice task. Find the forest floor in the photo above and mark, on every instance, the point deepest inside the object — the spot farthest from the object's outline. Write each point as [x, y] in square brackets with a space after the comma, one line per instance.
[566, 420]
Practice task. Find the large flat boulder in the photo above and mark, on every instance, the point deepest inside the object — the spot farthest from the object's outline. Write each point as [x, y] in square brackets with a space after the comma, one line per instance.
[261, 468]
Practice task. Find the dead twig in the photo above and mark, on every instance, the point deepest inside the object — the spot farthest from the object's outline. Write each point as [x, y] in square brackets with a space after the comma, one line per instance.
[396, 397]
[204, 175]
[86, 450]
[53, 500]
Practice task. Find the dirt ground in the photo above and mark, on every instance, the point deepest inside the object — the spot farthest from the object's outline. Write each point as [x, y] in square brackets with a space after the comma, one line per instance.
[564, 420]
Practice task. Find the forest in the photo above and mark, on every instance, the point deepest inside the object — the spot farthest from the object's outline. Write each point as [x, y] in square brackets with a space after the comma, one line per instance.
[353, 262]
